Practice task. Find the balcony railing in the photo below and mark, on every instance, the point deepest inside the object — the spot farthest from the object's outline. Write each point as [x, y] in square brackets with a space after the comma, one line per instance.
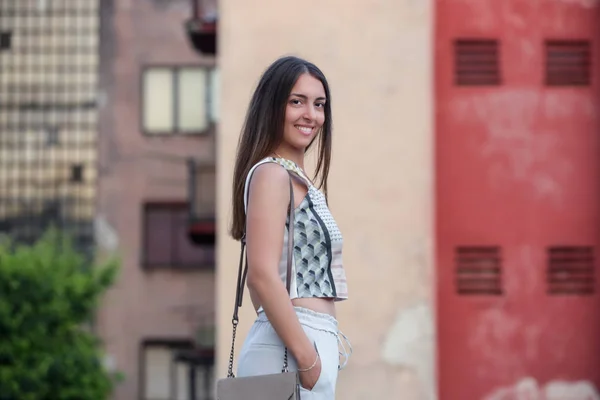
[201, 28]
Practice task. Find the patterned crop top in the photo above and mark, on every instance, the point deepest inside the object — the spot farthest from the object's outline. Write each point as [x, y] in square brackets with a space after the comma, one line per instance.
[317, 269]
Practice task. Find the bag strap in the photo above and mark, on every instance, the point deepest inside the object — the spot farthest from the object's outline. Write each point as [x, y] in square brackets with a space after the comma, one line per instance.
[241, 278]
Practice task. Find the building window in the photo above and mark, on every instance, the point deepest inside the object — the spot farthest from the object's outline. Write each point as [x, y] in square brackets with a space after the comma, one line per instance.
[5, 40]
[166, 240]
[179, 99]
[168, 372]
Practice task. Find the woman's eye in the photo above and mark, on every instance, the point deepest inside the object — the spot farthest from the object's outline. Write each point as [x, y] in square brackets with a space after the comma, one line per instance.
[295, 101]
[321, 105]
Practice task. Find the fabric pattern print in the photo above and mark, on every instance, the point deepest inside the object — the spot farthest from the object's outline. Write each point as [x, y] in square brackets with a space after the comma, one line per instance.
[318, 269]
[312, 256]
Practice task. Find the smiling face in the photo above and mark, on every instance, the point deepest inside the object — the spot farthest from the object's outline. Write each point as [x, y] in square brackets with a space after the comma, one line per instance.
[305, 112]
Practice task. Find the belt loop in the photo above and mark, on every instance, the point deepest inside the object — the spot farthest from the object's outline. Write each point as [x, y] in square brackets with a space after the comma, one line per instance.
[345, 353]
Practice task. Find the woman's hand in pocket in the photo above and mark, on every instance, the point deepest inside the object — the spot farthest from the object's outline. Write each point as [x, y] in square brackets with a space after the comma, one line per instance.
[308, 379]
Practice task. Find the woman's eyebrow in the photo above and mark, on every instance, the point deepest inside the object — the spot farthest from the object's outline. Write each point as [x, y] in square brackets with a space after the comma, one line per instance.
[304, 97]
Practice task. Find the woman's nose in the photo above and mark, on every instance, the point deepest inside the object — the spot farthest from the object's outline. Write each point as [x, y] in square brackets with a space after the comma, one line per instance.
[310, 113]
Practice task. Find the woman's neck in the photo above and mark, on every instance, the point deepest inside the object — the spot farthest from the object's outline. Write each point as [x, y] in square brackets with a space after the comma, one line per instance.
[295, 156]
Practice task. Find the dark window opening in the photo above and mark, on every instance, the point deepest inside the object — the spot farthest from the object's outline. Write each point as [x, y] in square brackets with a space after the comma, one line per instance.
[77, 173]
[166, 239]
[5, 40]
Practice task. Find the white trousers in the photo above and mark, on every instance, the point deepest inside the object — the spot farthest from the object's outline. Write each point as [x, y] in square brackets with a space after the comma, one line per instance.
[263, 351]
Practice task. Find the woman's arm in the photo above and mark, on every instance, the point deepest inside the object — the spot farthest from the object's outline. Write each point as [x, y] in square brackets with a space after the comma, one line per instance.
[268, 201]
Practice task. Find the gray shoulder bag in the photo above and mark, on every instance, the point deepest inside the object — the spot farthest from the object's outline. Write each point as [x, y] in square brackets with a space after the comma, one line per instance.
[281, 386]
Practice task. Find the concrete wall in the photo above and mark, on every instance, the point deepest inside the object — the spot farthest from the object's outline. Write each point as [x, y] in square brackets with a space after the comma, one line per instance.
[135, 168]
[377, 56]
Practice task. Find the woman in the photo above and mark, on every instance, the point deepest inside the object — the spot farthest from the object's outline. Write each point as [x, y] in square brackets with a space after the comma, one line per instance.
[290, 109]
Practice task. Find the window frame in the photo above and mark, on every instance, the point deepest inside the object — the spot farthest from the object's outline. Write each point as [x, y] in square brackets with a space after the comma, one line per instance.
[172, 343]
[174, 70]
[145, 263]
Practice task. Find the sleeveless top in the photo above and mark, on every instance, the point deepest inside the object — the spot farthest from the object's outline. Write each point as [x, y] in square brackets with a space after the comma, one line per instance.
[317, 269]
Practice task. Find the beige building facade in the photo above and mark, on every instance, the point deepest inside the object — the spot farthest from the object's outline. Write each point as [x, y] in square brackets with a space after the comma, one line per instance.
[378, 58]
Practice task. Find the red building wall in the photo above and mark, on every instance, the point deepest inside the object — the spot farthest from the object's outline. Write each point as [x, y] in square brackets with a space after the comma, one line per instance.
[518, 197]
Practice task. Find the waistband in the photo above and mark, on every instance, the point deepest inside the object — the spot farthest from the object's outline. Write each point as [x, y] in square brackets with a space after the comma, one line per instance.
[322, 322]
[313, 319]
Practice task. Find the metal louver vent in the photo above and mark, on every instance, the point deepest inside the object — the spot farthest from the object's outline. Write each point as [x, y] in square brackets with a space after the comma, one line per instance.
[568, 62]
[476, 62]
[478, 271]
[571, 270]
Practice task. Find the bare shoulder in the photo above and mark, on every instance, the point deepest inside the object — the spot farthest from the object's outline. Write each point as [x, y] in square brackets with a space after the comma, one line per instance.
[270, 175]
[269, 191]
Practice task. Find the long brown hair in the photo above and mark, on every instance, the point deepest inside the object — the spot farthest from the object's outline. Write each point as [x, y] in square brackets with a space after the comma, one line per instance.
[262, 132]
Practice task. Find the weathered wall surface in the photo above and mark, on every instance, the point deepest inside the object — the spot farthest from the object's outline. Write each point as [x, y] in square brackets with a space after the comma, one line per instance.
[378, 59]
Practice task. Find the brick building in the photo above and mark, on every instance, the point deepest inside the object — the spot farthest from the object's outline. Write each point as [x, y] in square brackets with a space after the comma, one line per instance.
[157, 123]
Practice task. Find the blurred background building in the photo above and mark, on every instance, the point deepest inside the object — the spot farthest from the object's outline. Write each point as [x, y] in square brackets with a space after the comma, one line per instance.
[464, 178]
[108, 116]
[157, 122]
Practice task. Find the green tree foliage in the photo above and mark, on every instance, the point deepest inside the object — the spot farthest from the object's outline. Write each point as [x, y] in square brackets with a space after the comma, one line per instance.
[48, 295]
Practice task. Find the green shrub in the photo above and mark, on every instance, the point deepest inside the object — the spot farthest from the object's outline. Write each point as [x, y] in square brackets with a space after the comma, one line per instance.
[48, 295]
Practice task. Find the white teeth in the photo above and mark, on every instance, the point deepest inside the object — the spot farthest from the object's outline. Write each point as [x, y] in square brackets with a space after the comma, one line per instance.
[304, 129]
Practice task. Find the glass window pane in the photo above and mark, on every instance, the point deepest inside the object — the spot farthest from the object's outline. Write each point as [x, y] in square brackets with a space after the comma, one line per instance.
[183, 381]
[215, 94]
[192, 100]
[157, 372]
[158, 101]
[205, 382]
